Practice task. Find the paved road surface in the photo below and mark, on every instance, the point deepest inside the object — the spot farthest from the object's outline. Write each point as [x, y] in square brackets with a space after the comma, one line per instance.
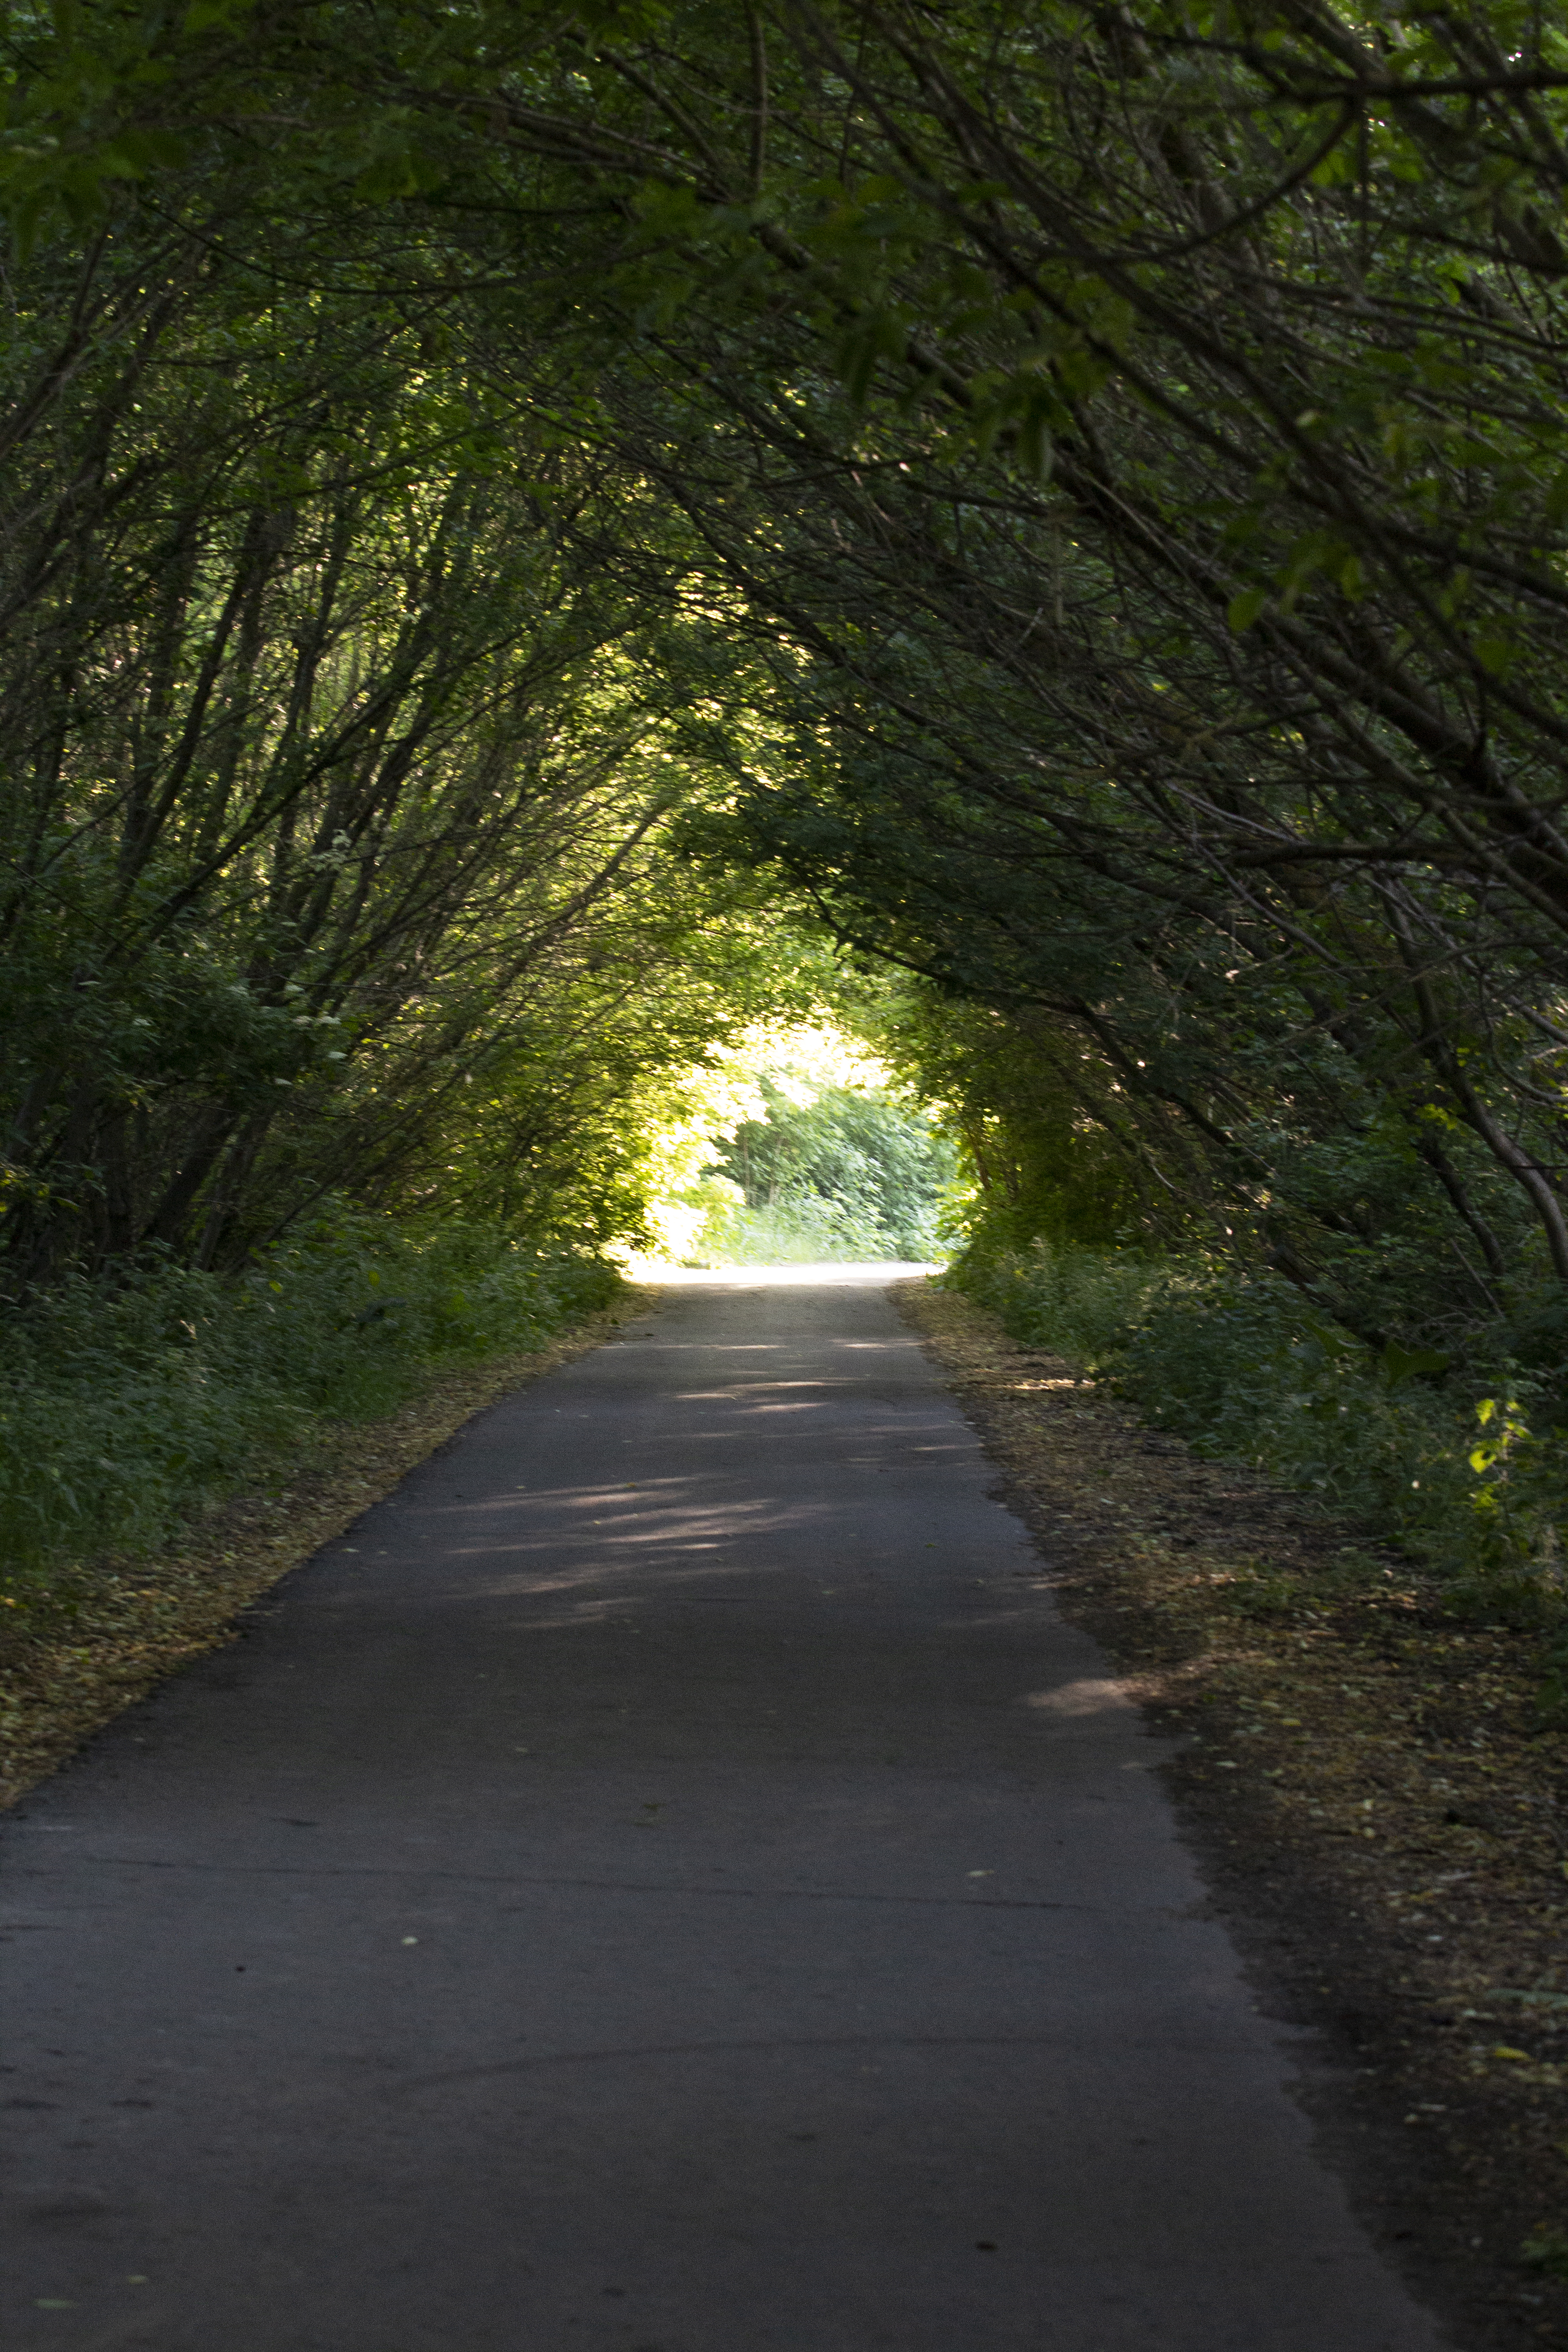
[667, 1882]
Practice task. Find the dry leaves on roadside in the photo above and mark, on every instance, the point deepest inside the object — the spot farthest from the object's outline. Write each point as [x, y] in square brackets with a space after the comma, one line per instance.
[1367, 1779]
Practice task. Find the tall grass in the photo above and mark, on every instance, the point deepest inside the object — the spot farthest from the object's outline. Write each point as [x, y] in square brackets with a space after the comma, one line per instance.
[125, 1407]
[1456, 1459]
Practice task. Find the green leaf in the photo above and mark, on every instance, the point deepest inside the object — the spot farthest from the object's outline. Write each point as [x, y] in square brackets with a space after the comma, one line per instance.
[1399, 1364]
[1033, 445]
[389, 176]
[202, 13]
[1242, 610]
[1337, 166]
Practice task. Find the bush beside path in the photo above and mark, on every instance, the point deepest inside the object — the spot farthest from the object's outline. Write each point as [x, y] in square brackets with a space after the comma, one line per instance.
[123, 1622]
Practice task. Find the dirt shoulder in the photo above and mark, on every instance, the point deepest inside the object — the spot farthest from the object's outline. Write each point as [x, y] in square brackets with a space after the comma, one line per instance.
[1383, 1827]
[129, 1623]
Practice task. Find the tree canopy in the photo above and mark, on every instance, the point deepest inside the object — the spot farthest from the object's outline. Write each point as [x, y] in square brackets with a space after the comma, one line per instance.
[504, 504]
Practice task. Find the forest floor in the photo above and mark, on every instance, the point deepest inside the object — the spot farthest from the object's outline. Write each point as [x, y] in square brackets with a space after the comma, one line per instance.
[1383, 1825]
[120, 1624]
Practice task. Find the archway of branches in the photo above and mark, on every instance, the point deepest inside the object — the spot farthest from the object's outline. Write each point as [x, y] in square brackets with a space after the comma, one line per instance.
[535, 539]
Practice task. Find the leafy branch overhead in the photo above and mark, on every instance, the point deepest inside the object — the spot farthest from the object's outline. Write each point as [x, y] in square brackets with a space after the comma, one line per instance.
[1076, 502]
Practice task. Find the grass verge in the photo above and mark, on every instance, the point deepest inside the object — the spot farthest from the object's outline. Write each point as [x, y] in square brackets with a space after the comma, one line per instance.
[136, 1618]
[1382, 1818]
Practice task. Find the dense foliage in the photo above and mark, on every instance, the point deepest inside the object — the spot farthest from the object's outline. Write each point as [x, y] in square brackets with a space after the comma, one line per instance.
[1072, 500]
[849, 1173]
[335, 847]
[1240, 1365]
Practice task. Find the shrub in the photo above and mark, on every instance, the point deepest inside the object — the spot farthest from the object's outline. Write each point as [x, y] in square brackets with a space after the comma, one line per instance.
[1456, 1459]
[852, 1174]
[125, 1406]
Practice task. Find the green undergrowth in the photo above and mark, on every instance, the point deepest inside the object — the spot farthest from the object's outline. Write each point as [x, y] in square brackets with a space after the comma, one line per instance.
[800, 1228]
[1456, 1454]
[127, 1406]
[848, 1173]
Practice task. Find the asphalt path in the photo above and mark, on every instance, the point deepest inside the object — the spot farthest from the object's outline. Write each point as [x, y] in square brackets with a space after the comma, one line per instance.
[666, 1881]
